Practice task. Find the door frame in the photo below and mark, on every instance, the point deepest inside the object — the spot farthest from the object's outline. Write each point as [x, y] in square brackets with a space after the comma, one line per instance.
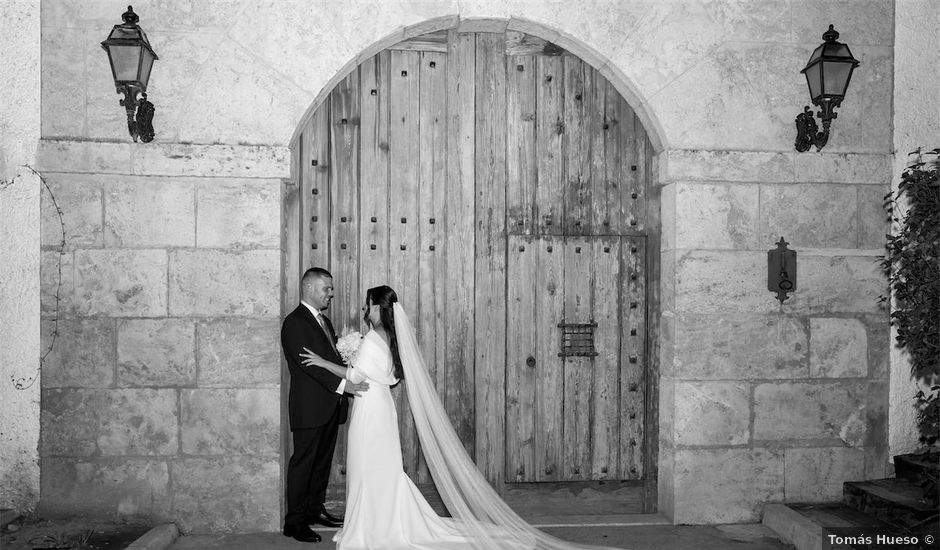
[291, 264]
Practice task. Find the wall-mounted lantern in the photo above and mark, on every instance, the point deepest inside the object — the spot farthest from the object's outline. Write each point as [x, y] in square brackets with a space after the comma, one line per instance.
[828, 73]
[781, 270]
[131, 59]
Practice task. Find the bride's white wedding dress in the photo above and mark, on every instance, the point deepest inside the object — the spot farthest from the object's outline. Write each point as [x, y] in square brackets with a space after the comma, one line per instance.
[384, 509]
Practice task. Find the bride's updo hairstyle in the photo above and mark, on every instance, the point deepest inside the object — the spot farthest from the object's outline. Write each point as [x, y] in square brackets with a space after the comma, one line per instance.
[383, 296]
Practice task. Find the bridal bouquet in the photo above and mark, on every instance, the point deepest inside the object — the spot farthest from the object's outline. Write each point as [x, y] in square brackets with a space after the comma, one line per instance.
[348, 346]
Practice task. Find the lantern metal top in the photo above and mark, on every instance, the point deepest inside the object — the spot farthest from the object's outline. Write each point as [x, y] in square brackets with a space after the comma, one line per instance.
[128, 33]
[830, 50]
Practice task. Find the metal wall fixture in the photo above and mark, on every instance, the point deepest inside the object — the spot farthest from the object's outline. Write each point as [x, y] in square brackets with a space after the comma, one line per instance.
[131, 59]
[781, 270]
[828, 73]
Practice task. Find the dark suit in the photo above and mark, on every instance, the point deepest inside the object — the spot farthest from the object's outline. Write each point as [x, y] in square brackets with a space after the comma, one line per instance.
[315, 411]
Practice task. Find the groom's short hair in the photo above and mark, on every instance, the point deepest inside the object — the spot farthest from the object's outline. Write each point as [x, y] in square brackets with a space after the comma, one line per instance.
[314, 272]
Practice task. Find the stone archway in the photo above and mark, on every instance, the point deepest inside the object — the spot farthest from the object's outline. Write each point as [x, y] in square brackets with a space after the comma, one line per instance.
[440, 212]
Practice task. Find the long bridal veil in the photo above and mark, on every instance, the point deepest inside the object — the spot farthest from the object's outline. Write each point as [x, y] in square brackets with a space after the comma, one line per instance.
[480, 513]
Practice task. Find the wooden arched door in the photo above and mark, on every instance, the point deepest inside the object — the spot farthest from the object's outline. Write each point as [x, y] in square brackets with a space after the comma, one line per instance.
[501, 186]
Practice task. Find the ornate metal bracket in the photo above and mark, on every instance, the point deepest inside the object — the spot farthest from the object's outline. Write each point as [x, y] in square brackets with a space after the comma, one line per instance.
[807, 132]
[142, 125]
[781, 270]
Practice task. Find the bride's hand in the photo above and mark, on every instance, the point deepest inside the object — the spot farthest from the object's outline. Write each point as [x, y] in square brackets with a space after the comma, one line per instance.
[311, 359]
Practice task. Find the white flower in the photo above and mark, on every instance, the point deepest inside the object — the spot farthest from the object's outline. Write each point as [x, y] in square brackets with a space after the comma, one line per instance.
[348, 346]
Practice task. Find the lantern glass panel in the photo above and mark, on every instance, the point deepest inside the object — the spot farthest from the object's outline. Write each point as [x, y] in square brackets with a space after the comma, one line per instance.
[817, 53]
[837, 76]
[814, 80]
[146, 63]
[124, 62]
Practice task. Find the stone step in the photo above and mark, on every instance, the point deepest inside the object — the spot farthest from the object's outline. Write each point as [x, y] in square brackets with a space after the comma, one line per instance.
[911, 466]
[802, 525]
[892, 500]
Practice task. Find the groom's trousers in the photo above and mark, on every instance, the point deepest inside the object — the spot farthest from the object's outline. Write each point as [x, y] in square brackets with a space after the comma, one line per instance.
[308, 471]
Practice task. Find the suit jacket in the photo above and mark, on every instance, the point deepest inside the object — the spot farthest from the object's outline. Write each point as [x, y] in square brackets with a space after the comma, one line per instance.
[313, 398]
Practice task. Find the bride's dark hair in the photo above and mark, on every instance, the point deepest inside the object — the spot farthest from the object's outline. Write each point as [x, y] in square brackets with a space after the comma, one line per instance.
[383, 296]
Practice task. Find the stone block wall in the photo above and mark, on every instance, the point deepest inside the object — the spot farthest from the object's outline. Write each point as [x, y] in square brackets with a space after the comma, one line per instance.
[770, 402]
[161, 395]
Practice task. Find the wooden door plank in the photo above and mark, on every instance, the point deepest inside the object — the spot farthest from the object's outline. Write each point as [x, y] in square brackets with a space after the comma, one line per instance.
[606, 406]
[642, 156]
[521, 163]
[374, 170]
[578, 371]
[629, 166]
[461, 93]
[521, 370]
[344, 176]
[550, 128]
[577, 141]
[550, 396]
[431, 208]
[651, 273]
[632, 357]
[490, 255]
[315, 194]
[610, 202]
[519, 43]
[403, 209]
[344, 227]
[595, 108]
[429, 42]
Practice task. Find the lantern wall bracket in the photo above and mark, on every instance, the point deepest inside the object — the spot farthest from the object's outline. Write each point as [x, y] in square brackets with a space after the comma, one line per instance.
[807, 131]
[139, 124]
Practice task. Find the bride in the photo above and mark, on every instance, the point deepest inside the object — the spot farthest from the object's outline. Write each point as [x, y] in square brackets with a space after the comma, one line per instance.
[384, 509]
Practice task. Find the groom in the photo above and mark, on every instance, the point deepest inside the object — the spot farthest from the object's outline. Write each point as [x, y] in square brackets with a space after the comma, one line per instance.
[316, 407]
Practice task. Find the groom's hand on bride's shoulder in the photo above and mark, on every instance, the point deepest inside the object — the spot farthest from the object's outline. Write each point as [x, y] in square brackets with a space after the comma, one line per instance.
[356, 389]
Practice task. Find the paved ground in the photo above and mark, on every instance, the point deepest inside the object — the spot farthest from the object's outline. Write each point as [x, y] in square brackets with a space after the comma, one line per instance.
[635, 537]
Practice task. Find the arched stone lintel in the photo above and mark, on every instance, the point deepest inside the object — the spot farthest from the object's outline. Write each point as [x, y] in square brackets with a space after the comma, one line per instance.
[609, 70]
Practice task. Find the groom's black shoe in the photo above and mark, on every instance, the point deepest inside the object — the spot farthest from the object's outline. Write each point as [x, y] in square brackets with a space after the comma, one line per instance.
[301, 533]
[326, 519]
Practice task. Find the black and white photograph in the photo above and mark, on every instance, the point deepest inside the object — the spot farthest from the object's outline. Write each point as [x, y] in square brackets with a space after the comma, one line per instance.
[469, 274]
